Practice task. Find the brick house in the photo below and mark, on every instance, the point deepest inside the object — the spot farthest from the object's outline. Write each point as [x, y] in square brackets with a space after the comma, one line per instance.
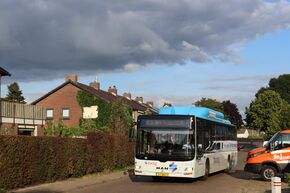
[20, 119]
[61, 103]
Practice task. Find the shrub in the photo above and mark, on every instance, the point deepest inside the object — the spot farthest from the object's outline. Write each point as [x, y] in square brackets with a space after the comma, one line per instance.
[63, 131]
[100, 151]
[30, 160]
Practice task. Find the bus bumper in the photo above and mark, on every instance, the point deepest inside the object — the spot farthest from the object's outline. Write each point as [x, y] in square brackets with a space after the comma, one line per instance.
[253, 168]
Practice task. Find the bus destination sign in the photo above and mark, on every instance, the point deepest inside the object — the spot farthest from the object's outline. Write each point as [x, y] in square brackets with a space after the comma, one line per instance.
[179, 123]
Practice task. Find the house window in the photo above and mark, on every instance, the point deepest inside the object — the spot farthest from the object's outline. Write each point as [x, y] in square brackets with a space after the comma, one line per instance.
[65, 113]
[49, 113]
[26, 131]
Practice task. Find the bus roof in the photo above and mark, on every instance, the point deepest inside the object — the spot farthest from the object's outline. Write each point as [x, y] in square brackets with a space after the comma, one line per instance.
[201, 112]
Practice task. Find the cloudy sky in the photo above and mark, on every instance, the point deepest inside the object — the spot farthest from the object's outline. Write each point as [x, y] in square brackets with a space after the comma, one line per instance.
[164, 50]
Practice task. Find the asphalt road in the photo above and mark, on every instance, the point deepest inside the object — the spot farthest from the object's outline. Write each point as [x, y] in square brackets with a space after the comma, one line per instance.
[235, 182]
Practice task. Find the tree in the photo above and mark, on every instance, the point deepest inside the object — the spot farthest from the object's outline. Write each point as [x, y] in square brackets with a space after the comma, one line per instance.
[232, 113]
[14, 93]
[167, 105]
[281, 85]
[262, 89]
[229, 109]
[285, 116]
[264, 113]
[210, 103]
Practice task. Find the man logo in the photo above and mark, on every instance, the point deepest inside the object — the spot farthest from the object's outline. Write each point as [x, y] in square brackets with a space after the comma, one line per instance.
[162, 168]
[172, 167]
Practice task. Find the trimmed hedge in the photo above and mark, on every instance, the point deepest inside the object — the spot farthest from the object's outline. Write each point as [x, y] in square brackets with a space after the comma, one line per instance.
[31, 160]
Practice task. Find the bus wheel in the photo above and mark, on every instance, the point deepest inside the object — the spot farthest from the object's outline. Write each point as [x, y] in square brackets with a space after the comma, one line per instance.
[268, 172]
[206, 172]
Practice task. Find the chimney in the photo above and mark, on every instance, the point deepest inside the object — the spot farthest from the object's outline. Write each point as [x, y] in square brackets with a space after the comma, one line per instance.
[139, 99]
[150, 103]
[113, 90]
[96, 84]
[127, 95]
[71, 77]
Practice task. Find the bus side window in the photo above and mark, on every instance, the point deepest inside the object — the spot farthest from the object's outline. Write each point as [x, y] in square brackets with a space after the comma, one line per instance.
[203, 133]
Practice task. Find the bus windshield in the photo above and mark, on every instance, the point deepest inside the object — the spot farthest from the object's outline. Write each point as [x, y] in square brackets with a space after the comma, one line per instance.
[165, 144]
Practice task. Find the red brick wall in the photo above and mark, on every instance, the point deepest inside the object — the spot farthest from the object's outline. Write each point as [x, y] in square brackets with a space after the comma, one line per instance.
[64, 98]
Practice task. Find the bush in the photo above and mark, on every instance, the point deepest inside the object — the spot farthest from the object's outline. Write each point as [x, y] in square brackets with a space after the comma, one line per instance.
[30, 160]
[63, 131]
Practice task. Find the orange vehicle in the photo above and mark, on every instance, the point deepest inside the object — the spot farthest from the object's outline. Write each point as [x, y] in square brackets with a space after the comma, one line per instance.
[272, 158]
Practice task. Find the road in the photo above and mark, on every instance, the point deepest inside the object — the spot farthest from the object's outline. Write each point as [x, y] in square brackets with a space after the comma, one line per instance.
[235, 182]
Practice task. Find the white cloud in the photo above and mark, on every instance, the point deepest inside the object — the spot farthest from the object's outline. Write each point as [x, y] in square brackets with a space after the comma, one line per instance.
[131, 67]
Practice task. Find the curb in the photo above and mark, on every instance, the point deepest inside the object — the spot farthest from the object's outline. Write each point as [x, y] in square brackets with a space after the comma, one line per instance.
[73, 183]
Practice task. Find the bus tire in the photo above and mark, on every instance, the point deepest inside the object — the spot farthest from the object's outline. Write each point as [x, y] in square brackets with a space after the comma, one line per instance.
[267, 172]
[229, 165]
[206, 172]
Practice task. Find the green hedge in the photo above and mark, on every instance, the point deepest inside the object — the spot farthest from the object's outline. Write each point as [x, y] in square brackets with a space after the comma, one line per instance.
[31, 160]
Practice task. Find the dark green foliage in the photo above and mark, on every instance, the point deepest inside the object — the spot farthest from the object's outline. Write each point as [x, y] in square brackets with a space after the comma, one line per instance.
[14, 93]
[31, 160]
[63, 131]
[232, 113]
[121, 118]
[258, 115]
[86, 99]
[261, 90]
[210, 103]
[282, 86]
[115, 116]
[285, 116]
[229, 109]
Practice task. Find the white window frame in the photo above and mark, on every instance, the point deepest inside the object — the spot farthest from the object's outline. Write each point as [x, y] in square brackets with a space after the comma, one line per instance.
[65, 110]
[52, 114]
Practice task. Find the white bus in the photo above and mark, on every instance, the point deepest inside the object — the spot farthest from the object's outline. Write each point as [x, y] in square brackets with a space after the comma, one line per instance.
[185, 142]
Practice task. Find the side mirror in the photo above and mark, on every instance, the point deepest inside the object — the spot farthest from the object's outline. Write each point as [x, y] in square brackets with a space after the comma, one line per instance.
[264, 143]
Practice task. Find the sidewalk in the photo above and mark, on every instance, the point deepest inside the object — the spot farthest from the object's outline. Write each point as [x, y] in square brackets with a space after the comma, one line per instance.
[72, 184]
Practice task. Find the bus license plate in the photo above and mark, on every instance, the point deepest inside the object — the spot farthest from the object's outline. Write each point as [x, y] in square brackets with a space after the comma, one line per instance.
[162, 174]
